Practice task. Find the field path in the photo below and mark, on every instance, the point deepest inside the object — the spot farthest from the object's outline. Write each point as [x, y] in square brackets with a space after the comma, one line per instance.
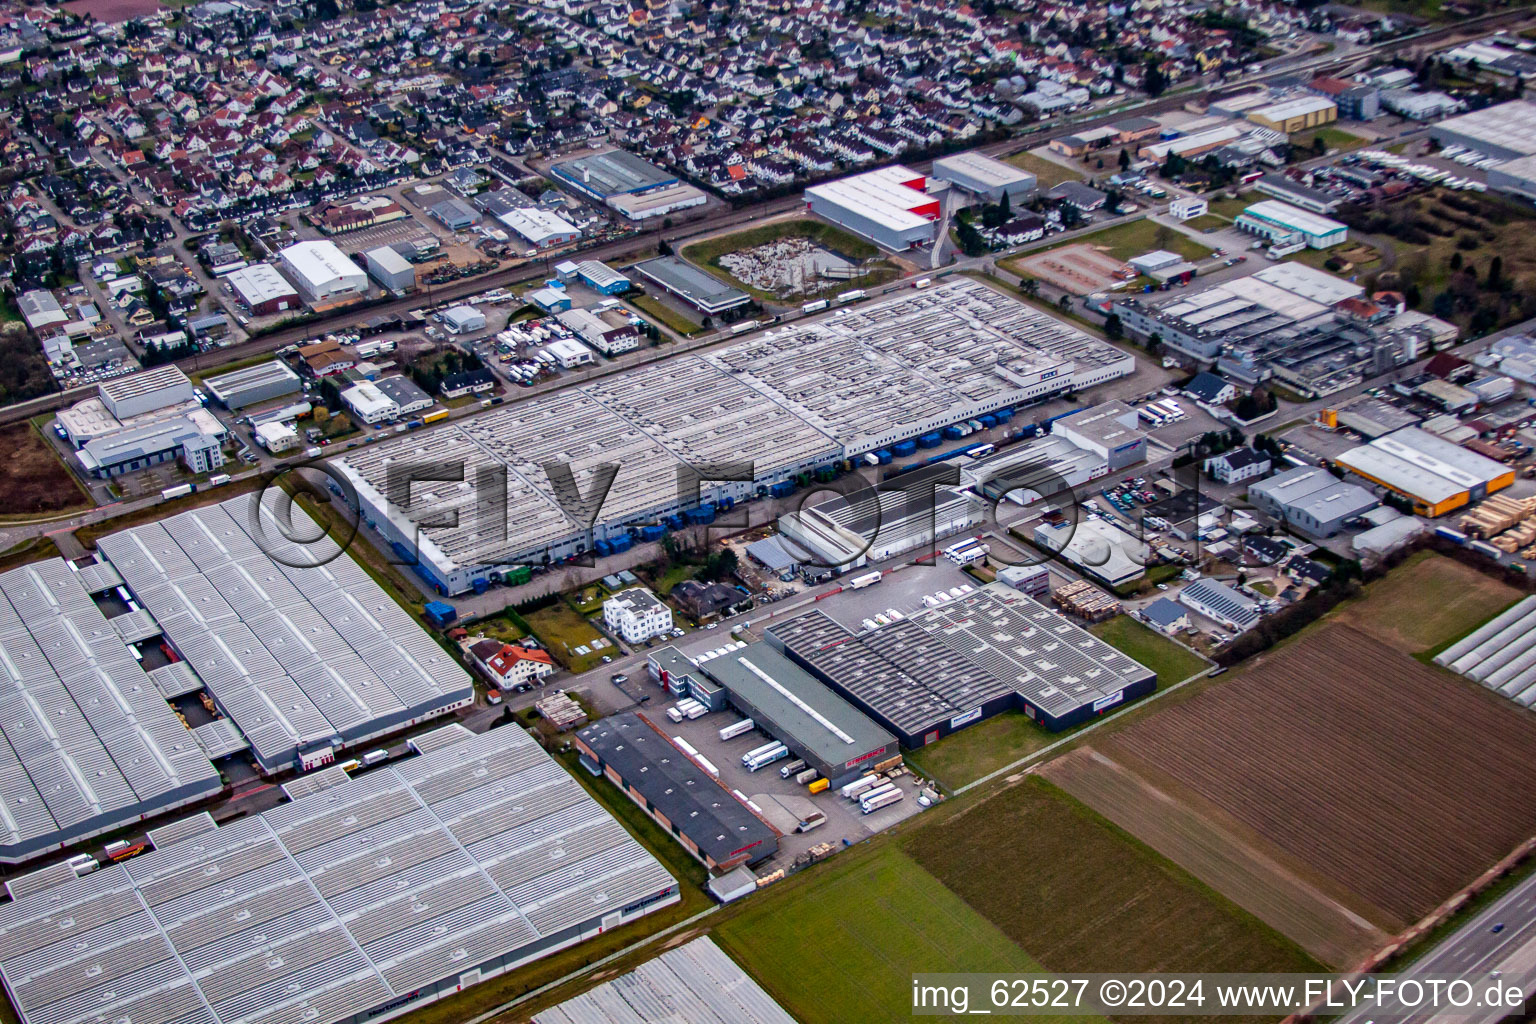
[1218, 857]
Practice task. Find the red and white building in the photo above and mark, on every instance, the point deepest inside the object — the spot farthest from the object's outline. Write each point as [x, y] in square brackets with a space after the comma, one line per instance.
[889, 206]
[508, 665]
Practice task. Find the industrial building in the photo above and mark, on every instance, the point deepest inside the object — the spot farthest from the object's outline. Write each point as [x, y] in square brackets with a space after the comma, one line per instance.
[323, 273]
[873, 524]
[146, 391]
[694, 983]
[295, 642]
[984, 176]
[407, 395]
[1220, 603]
[1283, 224]
[795, 708]
[542, 229]
[263, 382]
[92, 744]
[658, 202]
[1288, 190]
[950, 666]
[463, 320]
[1111, 431]
[702, 290]
[1436, 475]
[152, 444]
[609, 339]
[369, 404]
[1297, 114]
[1504, 131]
[1311, 499]
[393, 271]
[1096, 548]
[602, 278]
[1500, 654]
[770, 410]
[705, 817]
[359, 899]
[889, 206]
[616, 172]
[262, 290]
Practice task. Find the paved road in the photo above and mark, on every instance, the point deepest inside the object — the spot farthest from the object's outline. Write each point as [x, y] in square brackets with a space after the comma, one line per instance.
[1474, 953]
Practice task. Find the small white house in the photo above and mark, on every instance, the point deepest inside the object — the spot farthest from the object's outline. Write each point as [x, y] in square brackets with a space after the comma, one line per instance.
[369, 404]
[1189, 207]
[635, 615]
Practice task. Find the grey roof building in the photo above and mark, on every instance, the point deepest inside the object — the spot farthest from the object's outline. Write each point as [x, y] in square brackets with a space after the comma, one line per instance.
[90, 742]
[380, 893]
[260, 383]
[702, 290]
[1311, 499]
[947, 667]
[710, 822]
[794, 707]
[696, 983]
[296, 643]
[1216, 600]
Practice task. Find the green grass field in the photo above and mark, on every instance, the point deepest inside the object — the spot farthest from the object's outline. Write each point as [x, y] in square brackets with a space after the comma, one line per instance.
[1170, 661]
[1207, 222]
[1048, 173]
[969, 754]
[1336, 139]
[840, 943]
[563, 630]
[664, 314]
[1426, 604]
[1081, 895]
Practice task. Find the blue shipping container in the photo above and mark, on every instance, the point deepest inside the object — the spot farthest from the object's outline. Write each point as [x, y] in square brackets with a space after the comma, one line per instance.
[782, 488]
[620, 543]
[901, 448]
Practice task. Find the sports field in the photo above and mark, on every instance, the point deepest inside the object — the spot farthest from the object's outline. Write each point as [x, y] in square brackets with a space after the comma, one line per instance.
[839, 944]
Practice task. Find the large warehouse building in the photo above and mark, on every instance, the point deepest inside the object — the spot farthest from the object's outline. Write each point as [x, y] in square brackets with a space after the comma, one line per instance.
[295, 643]
[1435, 474]
[262, 289]
[888, 206]
[700, 289]
[263, 382]
[694, 983]
[362, 901]
[792, 706]
[1311, 499]
[634, 188]
[707, 818]
[984, 176]
[1282, 223]
[91, 744]
[1504, 131]
[323, 273]
[966, 660]
[777, 406]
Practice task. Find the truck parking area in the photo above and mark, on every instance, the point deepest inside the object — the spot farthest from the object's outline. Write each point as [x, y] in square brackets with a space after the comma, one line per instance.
[782, 801]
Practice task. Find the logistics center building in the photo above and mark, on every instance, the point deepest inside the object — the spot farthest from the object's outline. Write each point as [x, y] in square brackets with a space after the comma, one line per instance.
[963, 661]
[295, 642]
[888, 206]
[1435, 474]
[363, 900]
[776, 407]
[90, 744]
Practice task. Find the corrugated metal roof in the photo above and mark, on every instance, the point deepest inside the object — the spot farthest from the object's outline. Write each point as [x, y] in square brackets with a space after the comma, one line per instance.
[298, 646]
[88, 740]
[361, 895]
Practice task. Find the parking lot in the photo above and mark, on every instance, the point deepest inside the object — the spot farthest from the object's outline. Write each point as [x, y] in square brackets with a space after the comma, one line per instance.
[783, 802]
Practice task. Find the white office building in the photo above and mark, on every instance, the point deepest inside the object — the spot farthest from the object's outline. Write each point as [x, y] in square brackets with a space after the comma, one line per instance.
[635, 615]
[369, 403]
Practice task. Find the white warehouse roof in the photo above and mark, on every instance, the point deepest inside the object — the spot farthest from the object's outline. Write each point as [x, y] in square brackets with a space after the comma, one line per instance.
[296, 642]
[450, 866]
[258, 283]
[882, 195]
[538, 226]
[1293, 217]
[321, 263]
